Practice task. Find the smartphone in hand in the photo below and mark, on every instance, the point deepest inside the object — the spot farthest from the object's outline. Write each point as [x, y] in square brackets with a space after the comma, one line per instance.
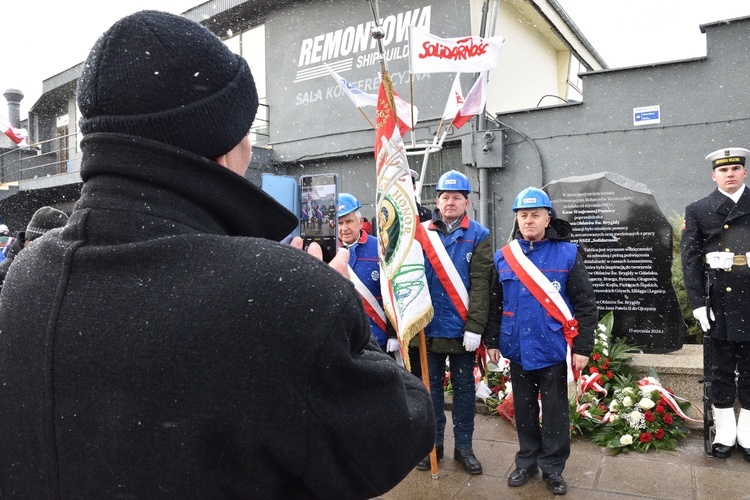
[318, 214]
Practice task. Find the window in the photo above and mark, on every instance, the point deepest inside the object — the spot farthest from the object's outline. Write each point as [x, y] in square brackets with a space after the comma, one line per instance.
[575, 84]
[251, 44]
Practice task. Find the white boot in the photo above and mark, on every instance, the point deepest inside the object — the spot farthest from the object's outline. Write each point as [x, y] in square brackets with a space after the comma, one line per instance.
[726, 427]
[743, 429]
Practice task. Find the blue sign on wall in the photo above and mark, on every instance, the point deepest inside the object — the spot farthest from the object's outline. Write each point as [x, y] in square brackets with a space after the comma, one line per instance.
[646, 115]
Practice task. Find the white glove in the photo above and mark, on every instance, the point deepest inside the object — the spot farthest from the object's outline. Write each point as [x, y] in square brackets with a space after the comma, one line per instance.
[702, 314]
[471, 341]
[392, 345]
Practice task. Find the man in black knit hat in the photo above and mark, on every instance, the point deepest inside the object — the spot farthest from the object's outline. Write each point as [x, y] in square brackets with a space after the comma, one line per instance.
[43, 220]
[157, 347]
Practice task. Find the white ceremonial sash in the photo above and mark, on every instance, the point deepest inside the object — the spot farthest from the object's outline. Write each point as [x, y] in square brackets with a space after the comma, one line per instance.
[373, 309]
[547, 295]
[540, 279]
[446, 271]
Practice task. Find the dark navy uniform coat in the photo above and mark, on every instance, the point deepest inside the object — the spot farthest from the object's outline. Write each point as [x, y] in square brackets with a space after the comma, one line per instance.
[716, 224]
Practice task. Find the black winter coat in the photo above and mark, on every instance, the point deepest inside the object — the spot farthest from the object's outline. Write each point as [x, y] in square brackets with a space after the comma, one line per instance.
[150, 350]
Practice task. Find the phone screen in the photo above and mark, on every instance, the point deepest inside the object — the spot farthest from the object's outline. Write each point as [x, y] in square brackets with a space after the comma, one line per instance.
[318, 212]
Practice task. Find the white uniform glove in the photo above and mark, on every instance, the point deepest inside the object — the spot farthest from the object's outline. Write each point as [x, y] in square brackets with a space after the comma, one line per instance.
[702, 314]
[471, 341]
[392, 345]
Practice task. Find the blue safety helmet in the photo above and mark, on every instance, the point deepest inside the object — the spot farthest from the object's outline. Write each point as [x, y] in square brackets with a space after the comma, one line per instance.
[532, 198]
[453, 180]
[347, 204]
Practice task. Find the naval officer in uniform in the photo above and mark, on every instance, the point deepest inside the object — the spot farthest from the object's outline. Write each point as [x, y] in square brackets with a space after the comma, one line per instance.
[715, 250]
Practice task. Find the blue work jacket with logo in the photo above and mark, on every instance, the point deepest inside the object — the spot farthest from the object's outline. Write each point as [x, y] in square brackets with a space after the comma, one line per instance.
[363, 259]
[460, 244]
[529, 336]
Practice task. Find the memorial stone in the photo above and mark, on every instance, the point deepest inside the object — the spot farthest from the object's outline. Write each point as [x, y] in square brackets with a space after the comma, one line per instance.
[628, 246]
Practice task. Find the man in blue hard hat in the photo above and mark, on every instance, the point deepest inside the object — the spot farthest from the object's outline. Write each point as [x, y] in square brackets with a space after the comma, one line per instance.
[365, 268]
[543, 311]
[458, 266]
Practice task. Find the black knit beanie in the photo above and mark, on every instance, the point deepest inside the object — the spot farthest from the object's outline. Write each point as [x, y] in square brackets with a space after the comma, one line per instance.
[43, 220]
[163, 77]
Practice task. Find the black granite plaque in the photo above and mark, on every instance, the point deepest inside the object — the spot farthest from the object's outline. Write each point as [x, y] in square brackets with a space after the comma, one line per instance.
[628, 245]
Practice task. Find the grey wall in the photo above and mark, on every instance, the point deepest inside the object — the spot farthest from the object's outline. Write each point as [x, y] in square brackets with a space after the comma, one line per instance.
[705, 106]
[357, 175]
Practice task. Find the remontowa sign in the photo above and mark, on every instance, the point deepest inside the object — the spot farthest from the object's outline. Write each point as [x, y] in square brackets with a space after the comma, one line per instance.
[337, 34]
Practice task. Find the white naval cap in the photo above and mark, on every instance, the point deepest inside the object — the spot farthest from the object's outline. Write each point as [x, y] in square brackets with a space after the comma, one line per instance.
[728, 156]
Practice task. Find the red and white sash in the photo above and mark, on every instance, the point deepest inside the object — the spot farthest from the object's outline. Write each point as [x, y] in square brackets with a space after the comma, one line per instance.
[444, 268]
[372, 308]
[547, 295]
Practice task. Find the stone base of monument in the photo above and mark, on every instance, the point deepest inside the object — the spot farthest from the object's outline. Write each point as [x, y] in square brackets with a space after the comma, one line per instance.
[681, 371]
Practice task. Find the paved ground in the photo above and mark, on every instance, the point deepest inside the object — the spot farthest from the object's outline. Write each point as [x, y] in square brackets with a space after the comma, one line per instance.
[591, 472]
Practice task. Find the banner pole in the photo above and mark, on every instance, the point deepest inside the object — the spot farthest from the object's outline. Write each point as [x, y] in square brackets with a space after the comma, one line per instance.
[411, 103]
[378, 34]
[426, 382]
[367, 118]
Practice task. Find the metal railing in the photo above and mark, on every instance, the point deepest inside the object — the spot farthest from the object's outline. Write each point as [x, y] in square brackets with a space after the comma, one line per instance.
[45, 158]
[58, 155]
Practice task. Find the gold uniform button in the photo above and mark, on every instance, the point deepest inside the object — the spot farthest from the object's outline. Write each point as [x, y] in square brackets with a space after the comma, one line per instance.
[729, 289]
[726, 226]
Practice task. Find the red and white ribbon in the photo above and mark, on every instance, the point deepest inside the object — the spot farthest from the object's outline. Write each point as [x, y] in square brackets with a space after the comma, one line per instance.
[592, 382]
[647, 386]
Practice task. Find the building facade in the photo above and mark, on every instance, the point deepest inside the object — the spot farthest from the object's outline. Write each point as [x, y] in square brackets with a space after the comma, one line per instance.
[305, 124]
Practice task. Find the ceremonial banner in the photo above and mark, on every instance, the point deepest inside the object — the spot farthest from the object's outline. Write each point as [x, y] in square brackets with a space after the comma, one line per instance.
[470, 54]
[406, 298]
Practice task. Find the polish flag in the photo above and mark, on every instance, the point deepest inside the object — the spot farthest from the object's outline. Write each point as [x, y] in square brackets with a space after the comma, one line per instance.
[474, 103]
[17, 135]
[455, 99]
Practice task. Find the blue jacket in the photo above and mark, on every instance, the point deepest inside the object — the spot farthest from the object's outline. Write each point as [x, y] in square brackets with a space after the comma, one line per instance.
[529, 336]
[460, 244]
[527, 331]
[363, 259]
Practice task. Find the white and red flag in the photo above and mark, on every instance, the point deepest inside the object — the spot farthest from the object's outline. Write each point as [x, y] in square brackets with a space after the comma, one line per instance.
[406, 298]
[17, 135]
[474, 102]
[361, 99]
[455, 100]
[470, 54]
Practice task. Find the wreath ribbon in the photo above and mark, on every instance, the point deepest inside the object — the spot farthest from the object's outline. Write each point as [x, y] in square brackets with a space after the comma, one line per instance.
[647, 386]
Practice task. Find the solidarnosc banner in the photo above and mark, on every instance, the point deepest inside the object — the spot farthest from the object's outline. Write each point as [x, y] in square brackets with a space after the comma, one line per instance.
[471, 54]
